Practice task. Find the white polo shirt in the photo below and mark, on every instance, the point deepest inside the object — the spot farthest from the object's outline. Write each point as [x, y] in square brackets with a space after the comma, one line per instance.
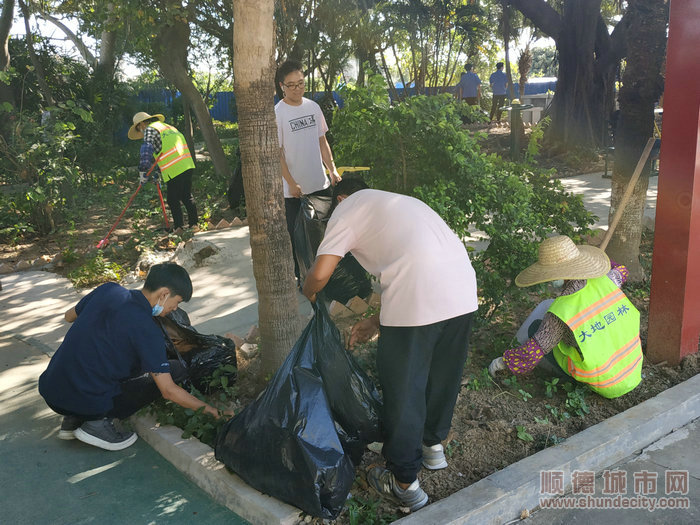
[422, 266]
[298, 130]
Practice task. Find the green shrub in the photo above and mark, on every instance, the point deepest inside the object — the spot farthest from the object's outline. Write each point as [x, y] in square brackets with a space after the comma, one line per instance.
[418, 147]
[96, 271]
[42, 159]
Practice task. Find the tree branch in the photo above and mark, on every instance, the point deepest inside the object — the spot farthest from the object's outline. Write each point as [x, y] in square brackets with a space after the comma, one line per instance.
[541, 14]
[82, 48]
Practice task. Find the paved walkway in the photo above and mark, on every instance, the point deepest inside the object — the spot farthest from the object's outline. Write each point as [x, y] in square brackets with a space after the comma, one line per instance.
[675, 456]
[45, 480]
[595, 191]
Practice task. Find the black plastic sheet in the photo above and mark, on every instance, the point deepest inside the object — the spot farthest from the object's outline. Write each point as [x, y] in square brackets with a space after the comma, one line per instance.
[349, 278]
[300, 440]
[201, 354]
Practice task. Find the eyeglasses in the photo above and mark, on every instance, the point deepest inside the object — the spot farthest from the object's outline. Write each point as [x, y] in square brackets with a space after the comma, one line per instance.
[295, 85]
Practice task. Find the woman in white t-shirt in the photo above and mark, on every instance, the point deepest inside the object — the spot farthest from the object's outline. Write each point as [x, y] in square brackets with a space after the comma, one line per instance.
[304, 150]
[428, 301]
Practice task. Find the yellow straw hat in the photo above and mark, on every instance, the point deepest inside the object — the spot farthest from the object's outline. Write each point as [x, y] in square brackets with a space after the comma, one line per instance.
[560, 258]
[138, 118]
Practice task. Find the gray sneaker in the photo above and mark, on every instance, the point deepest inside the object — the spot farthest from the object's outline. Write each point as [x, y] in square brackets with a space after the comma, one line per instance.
[68, 427]
[384, 482]
[434, 457]
[102, 433]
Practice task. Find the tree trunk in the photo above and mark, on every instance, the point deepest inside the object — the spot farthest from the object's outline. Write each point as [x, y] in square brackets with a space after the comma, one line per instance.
[578, 106]
[642, 85]
[253, 44]
[187, 129]
[506, 45]
[38, 69]
[170, 52]
[108, 47]
[8, 9]
[588, 56]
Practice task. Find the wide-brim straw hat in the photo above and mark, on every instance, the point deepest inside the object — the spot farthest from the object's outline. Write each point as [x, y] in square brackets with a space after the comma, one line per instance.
[138, 118]
[560, 258]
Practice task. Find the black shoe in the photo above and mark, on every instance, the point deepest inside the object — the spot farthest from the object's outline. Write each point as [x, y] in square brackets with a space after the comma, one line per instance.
[103, 434]
[68, 427]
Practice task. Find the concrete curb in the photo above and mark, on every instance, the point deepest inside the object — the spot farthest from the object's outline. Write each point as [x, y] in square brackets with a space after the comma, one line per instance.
[196, 460]
[501, 497]
[31, 341]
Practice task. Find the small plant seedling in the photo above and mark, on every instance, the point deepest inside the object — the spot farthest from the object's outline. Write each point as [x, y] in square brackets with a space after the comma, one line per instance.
[541, 421]
[576, 400]
[551, 387]
[452, 447]
[511, 381]
[474, 384]
[524, 395]
[554, 440]
[523, 434]
[363, 511]
[556, 413]
[220, 381]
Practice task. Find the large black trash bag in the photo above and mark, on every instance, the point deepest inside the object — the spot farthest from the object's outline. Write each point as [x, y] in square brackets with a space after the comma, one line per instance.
[349, 278]
[294, 442]
[202, 354]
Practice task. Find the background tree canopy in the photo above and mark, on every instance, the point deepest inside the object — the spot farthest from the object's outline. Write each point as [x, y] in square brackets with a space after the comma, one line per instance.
[65, 108]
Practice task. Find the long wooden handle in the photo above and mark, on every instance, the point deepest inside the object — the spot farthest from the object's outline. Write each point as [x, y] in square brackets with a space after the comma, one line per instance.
[628, 192]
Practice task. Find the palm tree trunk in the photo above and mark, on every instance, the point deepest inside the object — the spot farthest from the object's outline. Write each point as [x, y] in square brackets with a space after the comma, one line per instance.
[253, 44]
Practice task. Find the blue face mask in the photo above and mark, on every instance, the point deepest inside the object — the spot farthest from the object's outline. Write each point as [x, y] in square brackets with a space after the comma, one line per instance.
[158, 308]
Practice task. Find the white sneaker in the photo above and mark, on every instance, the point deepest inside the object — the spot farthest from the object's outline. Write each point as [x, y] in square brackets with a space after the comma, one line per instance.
[434, 457]
[384, 482]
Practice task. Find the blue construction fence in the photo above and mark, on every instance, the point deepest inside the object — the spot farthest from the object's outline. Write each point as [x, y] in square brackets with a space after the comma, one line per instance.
[224, 102]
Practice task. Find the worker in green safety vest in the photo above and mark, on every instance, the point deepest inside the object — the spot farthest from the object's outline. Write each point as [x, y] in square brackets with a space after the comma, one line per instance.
[590, 332]
[165, 146]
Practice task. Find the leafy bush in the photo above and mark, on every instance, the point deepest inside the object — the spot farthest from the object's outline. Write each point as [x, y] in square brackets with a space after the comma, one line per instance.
[42, 159]
[96, 271]
[418, 147]
[471, 114]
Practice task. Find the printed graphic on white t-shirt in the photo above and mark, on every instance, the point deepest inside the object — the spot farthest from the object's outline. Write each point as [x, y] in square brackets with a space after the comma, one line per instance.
[301, 123]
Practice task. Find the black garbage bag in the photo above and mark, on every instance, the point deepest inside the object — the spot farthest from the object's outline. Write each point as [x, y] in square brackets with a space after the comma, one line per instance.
[297, 440]
[349, 278]
[200, 353]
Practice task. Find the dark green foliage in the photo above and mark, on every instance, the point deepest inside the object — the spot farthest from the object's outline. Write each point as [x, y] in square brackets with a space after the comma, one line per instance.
[198, 423]
[419, 147]
[545, 62]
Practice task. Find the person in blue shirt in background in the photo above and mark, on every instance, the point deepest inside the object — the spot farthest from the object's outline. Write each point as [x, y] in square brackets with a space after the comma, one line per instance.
[469, 87]
[113, 362]
[499, 82]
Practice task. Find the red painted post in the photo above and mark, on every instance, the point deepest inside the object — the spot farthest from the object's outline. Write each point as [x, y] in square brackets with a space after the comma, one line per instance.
[674, 310]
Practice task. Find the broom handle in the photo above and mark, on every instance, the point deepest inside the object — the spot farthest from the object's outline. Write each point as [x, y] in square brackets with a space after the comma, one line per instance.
[628, 193]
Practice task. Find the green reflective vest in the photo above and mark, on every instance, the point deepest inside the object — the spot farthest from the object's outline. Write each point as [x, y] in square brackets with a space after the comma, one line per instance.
[606, 326]
[174, 157]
